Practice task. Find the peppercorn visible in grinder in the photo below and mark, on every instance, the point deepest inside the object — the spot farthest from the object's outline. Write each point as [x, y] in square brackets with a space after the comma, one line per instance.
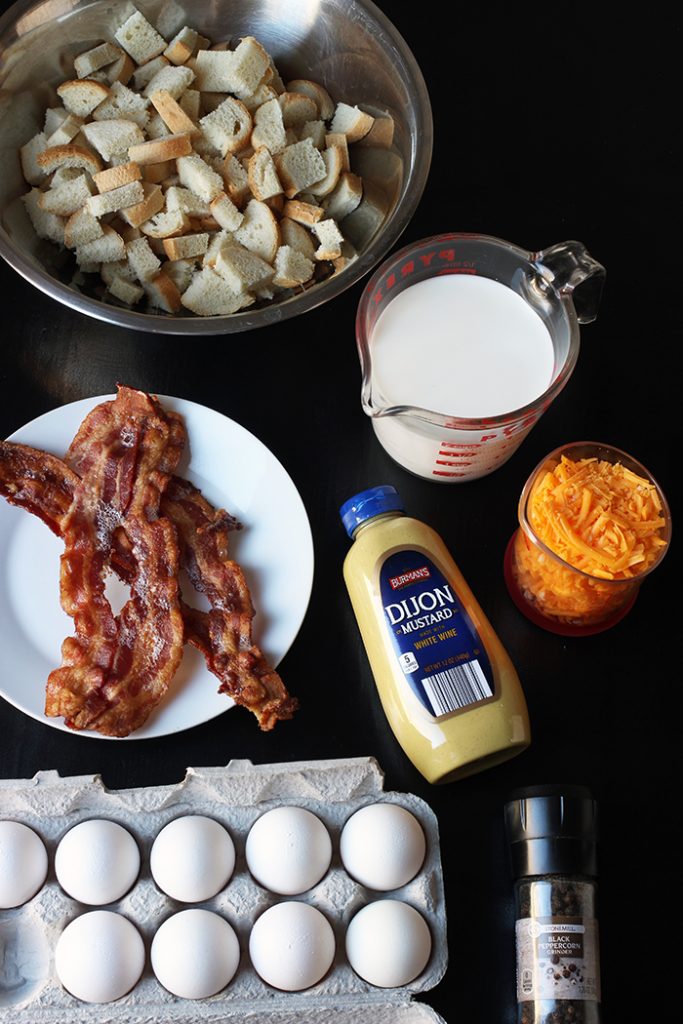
[552, 832]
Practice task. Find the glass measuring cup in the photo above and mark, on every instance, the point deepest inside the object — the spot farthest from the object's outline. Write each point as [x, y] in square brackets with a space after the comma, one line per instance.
[581, 599]
[439, 444]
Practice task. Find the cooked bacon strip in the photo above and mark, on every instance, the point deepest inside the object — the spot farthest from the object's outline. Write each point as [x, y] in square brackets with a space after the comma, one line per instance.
[38, 482]
[116, 669]
[223, 635]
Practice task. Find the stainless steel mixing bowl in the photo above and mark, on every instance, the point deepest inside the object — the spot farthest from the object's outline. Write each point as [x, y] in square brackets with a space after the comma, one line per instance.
[348, 45]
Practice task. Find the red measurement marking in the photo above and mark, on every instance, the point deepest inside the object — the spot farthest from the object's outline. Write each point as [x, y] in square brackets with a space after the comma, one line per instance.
[442, 472]
[456, 444]
[448, 462]
[456, 270]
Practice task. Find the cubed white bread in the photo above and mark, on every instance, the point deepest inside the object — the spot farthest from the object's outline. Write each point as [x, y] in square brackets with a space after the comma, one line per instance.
[315, 131]
[140, 39]
[264, 94]
[126, 291]
[292, 268]
[45, 225]
[172, 114]
[143, 75]
[182, 46]
[151, 203]
[115, 199]
[122, 102]
[67, 198]
[199, 177]
[180, 272]
[299, 166]
[82, 96]
[259, 231]
[236, 180]
[303, 213]
[157, 127]
[263, 178]
[297, 109]
[69, 156]
[121, 70]
[339, 139]
[114, 177]
[351, 121]
[166, 224]
[183, 199]
[81, 228]
[186, 247]
[114, 136]
[128, 233]
[190, 103]
[269, 129]
[242, 269]
[225, 212]
[345, 198]
[216, 242]
[330, 238]
[334, 162]
[228, 127]
[317, 93]
[118, 268]
[105, 249]
[163, 293]
[205, 147]
[213, 70]
[362, 223]
[156, 151]
[172, 79]
[381, 133]
[156, 173]
[64, 174]
[249, 65]
[67, 130]
[28, 154]
[97, 57]
[296, 236]
[142, 260]
[209, 294]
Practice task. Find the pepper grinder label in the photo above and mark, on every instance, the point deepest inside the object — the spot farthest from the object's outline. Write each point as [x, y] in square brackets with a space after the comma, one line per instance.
[557, 958]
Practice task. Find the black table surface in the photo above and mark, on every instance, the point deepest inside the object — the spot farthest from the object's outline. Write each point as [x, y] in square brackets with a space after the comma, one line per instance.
[550, 124]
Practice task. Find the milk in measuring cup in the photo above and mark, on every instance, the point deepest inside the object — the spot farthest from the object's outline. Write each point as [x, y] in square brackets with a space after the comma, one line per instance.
[468, 348]
[462, 345]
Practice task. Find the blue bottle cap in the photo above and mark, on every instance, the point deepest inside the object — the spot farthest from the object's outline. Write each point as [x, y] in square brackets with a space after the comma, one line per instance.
[367, 504]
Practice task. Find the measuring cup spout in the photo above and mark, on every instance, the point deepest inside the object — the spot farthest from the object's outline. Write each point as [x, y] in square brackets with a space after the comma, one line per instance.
[567, 265]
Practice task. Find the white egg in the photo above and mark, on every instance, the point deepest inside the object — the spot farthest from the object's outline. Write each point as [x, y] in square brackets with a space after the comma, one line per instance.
[99, 956]
[388, 943]
[291, 946]
[288, 850]
[97, 861]
[382, 846]
[192, 858]
[195, 954]
[23, 864]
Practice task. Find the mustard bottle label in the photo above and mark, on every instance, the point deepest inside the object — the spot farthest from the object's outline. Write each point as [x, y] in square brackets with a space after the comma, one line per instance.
[437, 647]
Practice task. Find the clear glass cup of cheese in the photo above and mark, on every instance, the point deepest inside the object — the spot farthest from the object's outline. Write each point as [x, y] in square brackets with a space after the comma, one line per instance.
[464, 341]
[593, 523]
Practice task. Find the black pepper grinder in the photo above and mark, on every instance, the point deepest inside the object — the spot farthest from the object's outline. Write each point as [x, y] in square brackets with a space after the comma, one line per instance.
[552, 832]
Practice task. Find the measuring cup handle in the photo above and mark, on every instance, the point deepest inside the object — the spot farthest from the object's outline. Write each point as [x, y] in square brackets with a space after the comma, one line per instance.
[566, 266]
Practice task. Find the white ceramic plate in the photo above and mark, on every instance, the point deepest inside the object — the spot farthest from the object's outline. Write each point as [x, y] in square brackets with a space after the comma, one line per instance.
[235, 471]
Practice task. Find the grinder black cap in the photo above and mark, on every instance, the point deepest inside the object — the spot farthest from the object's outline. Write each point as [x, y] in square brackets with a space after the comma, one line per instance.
[552, 830]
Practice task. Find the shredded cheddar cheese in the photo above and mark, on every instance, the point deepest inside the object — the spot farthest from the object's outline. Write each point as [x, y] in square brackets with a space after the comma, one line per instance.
[598, 517]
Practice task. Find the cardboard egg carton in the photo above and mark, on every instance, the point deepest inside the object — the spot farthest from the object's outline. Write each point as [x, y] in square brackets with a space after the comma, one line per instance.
[236, 795]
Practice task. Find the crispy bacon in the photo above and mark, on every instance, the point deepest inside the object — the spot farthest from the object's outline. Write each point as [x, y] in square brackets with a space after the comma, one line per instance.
[110, 693]
[116, 669]
[224, 634]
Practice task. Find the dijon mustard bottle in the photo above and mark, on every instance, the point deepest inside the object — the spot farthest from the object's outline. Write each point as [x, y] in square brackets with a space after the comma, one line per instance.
[448, 688]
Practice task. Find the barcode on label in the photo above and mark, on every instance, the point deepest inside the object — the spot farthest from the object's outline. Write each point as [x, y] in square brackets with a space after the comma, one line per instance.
[456, 688]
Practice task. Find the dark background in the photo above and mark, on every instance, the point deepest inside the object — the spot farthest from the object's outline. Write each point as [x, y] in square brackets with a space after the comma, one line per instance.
[551, 123]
